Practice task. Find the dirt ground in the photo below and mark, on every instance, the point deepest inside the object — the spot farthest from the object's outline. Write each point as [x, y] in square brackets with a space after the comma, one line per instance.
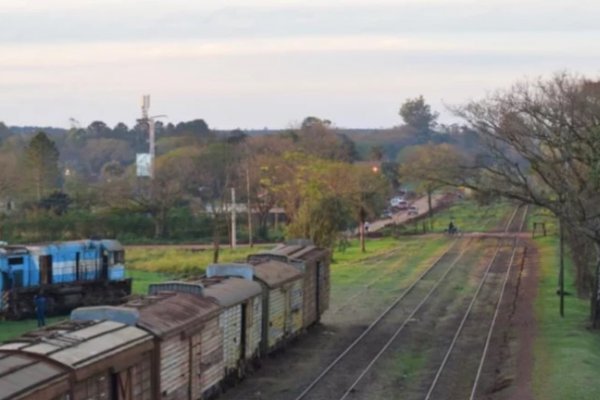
[408, 367]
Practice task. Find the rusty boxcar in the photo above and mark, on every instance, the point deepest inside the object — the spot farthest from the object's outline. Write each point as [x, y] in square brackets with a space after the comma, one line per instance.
[314, 263]
[281, 299]
[189, 353]
[78, 360]
[240, 317]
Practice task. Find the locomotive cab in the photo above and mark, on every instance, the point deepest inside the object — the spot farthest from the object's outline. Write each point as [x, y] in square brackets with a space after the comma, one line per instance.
[113, 258]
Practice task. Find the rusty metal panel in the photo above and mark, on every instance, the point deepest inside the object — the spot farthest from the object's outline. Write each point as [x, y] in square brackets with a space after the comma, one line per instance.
[96, 387]
[253, 327]
[21, 374]
[80, 343]
[230, 324]
[211, 362]
[174, 368]
[229, 291]
[324, 285]
[295, 322]
[141, 379]
[276, 326]
[170, 313]
[176, 286]
[309, 297]
[275, 273]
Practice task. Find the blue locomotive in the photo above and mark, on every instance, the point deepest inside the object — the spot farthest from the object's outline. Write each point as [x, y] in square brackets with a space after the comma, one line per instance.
[69, 274]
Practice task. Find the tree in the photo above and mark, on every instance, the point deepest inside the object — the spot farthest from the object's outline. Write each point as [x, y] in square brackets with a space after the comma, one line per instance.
[9, 176]
[217, 169]
[155, 197]
[417, 114]
[376, 153]
[99, 129]
[57, 202]
[543, 147]
[367, 193]
[316, 137]
[41, 158]
[432, 166]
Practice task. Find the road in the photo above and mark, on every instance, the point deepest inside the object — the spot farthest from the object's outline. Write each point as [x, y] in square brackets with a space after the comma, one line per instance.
[402, 216]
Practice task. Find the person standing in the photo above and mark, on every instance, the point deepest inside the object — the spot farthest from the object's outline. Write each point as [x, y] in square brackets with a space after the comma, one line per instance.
[40, 308]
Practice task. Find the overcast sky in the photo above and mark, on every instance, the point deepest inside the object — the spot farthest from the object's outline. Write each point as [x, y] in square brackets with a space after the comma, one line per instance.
[270, 63]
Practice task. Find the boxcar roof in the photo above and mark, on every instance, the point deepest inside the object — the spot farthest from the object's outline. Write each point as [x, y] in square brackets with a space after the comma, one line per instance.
[77, 344]
[161, 313]
[299, 252]
[229, 291]
[169, 312]
[23, 373]
[275, 273]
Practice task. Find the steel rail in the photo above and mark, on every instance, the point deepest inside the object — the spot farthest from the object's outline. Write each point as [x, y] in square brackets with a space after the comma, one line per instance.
[320, 377]
[467, 313]
[496, 313]
[395, 335]
[386, 256]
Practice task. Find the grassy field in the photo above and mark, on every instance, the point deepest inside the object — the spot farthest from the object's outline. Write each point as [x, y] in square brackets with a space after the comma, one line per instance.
[567, 353]
[181, 260]
[11, 329]
[471, 217]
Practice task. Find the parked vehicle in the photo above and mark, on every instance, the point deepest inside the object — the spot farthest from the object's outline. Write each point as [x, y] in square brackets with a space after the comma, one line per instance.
[68, 273]
[412, 210]
[396, 200]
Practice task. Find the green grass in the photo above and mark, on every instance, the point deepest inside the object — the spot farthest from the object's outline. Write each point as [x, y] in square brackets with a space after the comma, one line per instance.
[471, 217]
[567, 353]
[407, 364]
[385, 267]
[142, 279]
[181, 260]
[12, 329]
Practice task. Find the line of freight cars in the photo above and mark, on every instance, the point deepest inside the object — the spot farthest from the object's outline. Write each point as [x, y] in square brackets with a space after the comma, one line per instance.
[185, 340]
[69, 274]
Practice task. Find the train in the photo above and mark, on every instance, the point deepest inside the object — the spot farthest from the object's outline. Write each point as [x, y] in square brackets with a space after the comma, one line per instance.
[69, 274]
[184, 340]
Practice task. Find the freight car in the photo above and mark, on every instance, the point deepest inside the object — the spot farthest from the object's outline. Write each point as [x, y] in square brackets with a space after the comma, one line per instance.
[187, 337]
[201, 332]
[281, 298]
[240, 318]
[69, 274]
[77, 360]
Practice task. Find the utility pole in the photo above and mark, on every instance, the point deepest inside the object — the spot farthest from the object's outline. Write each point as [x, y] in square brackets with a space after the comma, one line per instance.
[249, 205]
[233, 233]
[151, 121]
[561, 273]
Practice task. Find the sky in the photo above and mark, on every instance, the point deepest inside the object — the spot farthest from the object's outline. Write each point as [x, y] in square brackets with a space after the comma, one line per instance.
[256, 64]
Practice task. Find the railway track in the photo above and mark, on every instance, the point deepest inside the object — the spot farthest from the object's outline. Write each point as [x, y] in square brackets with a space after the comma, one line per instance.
[460, 371]
[334, 379]
[336, 382]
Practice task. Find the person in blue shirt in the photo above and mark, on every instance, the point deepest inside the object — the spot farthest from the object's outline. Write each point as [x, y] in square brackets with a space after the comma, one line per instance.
[40, 308]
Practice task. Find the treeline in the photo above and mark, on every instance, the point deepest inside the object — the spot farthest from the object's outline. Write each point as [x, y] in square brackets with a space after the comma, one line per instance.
[81, 182]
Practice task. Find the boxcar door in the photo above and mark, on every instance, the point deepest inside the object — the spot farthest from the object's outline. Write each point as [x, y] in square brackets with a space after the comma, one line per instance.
[122, 385]
[318, 291]
[45, 270]
[244, 333]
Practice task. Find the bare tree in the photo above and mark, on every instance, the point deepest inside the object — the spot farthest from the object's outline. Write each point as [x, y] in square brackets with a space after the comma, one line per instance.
[543, 148]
